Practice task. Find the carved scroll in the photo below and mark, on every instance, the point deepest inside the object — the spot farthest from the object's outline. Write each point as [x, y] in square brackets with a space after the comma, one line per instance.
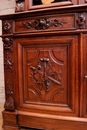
[45, 23]
[8, 67]
[44, 74]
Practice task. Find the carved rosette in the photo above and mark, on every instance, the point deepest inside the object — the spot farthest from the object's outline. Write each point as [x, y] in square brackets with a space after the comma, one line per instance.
[7, 27]
[81, 21]
[45, 75]
[41, 24]
[8, 67]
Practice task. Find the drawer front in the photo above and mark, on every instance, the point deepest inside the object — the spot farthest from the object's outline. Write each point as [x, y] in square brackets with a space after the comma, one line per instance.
[46, 23]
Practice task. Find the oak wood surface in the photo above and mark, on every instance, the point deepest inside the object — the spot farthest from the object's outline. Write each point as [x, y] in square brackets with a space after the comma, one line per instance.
[45, 67]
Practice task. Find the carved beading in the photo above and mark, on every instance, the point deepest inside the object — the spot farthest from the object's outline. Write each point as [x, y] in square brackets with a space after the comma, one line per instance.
[44, 23]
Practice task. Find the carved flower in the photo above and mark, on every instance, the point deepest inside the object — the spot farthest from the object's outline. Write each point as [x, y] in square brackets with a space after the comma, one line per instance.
[6, 26]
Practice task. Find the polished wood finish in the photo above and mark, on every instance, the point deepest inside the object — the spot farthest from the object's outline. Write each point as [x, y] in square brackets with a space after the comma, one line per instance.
[45, 59]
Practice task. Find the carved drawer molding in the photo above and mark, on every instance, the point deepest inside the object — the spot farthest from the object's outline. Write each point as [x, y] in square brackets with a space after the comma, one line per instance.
[58, 22]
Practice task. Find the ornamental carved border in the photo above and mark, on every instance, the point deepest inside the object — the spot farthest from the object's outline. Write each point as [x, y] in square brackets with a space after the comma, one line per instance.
[44, 23]
[8, 69]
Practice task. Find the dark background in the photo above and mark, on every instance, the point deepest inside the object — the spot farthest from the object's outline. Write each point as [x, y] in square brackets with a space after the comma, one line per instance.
[38, 2]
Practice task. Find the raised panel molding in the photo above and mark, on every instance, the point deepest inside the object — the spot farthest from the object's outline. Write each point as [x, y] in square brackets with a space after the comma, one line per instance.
[46, 77]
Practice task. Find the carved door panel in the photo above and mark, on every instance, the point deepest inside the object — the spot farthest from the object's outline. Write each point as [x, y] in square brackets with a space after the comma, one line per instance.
[84, 76]
[47, 74]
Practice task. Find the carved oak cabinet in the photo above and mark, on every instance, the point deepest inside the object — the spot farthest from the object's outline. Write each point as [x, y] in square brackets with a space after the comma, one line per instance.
[45, 67]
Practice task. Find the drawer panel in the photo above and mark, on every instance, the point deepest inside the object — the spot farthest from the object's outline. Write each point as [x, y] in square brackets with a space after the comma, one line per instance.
[46, 23]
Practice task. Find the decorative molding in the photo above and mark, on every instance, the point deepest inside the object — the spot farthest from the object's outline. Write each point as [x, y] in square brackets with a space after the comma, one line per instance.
[19, 6]
[8, 66]
[45, 23]
[44, 74]
[8, 63]
[7, 43]
[81, 20]
[9, 104]
[7, 27]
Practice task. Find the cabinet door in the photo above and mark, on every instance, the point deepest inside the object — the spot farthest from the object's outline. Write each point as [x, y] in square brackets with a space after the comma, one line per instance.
[83, 96]
[47, 74]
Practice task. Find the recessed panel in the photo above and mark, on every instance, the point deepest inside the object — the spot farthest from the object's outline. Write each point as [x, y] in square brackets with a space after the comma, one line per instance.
[47, 75]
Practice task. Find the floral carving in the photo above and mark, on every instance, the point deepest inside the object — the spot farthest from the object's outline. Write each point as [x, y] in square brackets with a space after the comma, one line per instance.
[44, 23]
[9, 104]
[8, 43]
[81, 21]
[7, 27]
[44, 74]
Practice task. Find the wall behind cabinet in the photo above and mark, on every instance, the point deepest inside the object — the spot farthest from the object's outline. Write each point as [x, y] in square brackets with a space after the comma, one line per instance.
[6, 7]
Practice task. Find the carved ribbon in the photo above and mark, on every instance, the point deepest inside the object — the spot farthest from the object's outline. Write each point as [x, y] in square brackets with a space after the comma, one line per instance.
[44, 74]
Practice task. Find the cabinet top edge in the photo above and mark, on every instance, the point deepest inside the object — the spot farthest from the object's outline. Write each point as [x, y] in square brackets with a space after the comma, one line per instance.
[46, 11]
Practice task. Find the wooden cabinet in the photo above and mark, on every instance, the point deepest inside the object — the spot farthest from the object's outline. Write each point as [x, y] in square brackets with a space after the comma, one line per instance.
[45, 67]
